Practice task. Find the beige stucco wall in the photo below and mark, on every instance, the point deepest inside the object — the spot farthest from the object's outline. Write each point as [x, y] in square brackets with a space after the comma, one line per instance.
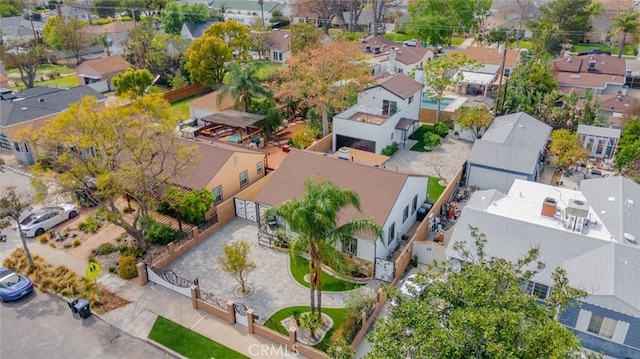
[229, 175]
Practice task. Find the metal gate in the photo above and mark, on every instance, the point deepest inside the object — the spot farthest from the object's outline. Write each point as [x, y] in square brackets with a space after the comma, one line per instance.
[170, 280]
[246, 209]
[384, 270]
[241, 314]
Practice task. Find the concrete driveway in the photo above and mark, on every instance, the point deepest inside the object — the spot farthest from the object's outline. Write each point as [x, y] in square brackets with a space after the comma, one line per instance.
[273, 286]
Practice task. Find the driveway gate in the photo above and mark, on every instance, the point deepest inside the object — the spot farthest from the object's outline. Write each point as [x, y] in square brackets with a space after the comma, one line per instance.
[384, 270]
[246, 209]
[241, 314]
[170, 280]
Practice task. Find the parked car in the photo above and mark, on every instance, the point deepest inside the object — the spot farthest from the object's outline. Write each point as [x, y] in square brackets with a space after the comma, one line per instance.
[595, 173]
[37, 222]
[412, 43]
[408, 288]
[13, 285]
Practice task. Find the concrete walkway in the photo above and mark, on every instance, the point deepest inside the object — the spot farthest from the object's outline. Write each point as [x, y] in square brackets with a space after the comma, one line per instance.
[273, 285]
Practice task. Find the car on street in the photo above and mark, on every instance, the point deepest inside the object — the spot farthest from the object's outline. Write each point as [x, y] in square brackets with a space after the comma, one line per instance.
[38, 222]
[412, 43]
[13, 285]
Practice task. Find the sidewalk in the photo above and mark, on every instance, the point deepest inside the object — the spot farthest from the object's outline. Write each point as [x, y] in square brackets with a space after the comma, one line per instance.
[147, 303]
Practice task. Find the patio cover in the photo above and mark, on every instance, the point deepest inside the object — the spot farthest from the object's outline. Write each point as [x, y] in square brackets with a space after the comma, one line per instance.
[405, 124]
[476, 78]
[233, 118]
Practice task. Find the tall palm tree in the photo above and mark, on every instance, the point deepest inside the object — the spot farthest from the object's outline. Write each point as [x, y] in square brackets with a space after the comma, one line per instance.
[242, 84]
[627, 24]
[314, 220]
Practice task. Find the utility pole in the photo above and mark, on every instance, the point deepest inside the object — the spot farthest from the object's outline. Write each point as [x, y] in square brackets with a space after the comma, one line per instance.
[500, 86]
[261, 2]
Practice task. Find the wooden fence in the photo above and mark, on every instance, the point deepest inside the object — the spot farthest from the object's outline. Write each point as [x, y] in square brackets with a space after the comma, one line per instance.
[185, 92]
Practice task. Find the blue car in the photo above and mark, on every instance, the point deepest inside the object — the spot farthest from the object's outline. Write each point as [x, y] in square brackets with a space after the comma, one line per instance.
[13, 285]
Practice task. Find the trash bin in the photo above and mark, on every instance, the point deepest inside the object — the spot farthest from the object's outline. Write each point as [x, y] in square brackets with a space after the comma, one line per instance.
[82, 307]
[422, 212]
[72, 304]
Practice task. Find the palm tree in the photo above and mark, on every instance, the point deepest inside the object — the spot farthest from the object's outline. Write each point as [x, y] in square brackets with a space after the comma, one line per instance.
[242, 84]
[314, 220]
[626, 23]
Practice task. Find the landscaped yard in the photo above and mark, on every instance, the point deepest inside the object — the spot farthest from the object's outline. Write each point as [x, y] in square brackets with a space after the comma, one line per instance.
[339, 316]
[418, 135]
[65, 77]
[188, 343]
[182, 106]
[265, 69]
[628, 50]
[455, 41]
[300, 268]
[435, 189]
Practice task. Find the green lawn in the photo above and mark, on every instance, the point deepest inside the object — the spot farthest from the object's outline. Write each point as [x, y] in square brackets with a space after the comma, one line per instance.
[628, 50]
[419, 136]
[300, 268]
[188, 343]
[339, 316]
[182, 106]
[434, 189]
[266, 68]
[455, 41]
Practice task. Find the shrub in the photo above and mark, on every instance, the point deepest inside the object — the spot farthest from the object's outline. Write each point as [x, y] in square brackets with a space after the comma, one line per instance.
[431, 140]
[127, 251]
[43, 239]
[441, 129]
[90, 225]
[52, 245]
[77, 242]
[303, 138]
[127, 267]
[113, 269]
[390, 150]
[160, 233]
[104, 249]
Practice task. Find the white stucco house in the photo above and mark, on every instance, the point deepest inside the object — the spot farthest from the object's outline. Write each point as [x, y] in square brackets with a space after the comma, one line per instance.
[385, 113]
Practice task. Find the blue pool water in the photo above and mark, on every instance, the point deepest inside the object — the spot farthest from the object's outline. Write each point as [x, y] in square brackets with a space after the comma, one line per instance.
[430, 103]
[235, 138]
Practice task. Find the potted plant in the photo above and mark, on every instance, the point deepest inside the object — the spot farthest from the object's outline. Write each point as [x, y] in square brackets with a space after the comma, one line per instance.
[414, 261]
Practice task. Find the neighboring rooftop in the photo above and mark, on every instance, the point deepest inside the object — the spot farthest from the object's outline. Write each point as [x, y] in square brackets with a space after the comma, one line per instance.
[599, 131]
[519, 130]
[601, 64]
[400, 84]
[359, 156]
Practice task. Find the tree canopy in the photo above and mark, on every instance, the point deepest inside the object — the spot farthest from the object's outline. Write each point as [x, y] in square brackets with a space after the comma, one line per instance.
[568, 148]
[627, 24]
[108, 152]
[628, 155]
[106, 8]
[475, 119]
[11, 8]
[529, 81]
[304, 35]
[435, 21]
[323, 77]
[132, 83]
[479, 312]
[67, 35]
[176, 13]
[243, 85]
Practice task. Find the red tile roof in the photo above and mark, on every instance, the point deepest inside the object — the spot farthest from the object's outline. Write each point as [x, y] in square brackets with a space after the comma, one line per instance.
[106, 66]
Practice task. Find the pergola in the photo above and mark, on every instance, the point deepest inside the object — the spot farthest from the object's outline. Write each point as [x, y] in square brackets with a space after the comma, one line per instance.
[483, 77]
[230, 123]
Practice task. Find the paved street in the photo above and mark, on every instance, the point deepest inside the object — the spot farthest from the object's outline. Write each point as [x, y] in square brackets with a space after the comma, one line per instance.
[41, 325]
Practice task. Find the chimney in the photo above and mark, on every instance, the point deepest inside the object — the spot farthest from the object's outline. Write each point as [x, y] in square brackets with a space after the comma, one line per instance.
[419, 75]
[392, 60]
[58, 10]
[619, 95]
[592, 63]
[549, 206]
[500, 49]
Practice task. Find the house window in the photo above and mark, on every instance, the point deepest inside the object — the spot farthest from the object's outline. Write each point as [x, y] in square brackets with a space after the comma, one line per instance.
[4, 141]
[405, 214]
[260, 167]
[410, 99]
[539, 290]
[389, 107]
[392, 233]
[602, 326]
[507, 71]
[279, 56]
[244, 178]
[414, 204]
[217, 195]
[274, 56]
[16, 147]
[350, 246]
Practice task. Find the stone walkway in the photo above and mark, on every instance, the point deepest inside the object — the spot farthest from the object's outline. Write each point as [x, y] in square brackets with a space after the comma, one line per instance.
[273, 286]
[444, 161]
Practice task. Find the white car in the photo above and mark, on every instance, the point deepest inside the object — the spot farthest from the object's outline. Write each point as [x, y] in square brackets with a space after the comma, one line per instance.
[412, 43]
[37, 222]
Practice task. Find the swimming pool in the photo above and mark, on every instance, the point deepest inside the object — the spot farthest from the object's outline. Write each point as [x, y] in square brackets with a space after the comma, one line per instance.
[431, 103]
[235, 138]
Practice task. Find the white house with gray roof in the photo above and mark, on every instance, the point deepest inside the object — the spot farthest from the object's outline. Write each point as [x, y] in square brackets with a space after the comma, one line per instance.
[511, 148]
[592, 233]
[385, 113]
[600, 142]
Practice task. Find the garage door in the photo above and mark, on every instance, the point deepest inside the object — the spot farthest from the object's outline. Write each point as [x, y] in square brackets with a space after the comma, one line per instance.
[359, 144]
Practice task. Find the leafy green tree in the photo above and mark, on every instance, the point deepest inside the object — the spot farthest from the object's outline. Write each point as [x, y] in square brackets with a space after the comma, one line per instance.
[132, 83]
[26, 60]
[138, 49]
[437, 20]
[568, 148]
[529, 82]
[628, 155]
[431, 140]
[304, 35]
[103, 41]
[11, 206]
[258, 40]
[190, 207]
[242, 84]
[272, 116]
[480, 312]
[314, 221]
[11, 8]
[66, 35]
[146, 7]
[475, 119]
[110, 152]
[277, 17]
[106, 8]
[441, 73]
[563, 21]
[627, 24]
[235, 261]
[175, 14]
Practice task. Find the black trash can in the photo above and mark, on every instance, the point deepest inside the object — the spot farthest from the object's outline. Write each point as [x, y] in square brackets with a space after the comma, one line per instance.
[72, 304]
[422, 212]
[83, 308]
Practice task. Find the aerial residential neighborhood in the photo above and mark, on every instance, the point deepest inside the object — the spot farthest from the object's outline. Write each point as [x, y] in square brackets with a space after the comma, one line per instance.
[274, 179]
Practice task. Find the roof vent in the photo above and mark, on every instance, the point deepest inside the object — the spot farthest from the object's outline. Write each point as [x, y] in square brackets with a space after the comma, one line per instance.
[549, 206]
[630, 237]
[23, 108]
[591, 65]
[343, 153]
[367, 48]
[40, 100]
[376, 50]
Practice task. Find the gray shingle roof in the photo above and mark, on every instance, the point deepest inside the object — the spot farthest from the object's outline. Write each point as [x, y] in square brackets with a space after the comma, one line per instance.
[41, 101]
[599, 131]
[504, 157]
[518, 129]
[606, 269]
